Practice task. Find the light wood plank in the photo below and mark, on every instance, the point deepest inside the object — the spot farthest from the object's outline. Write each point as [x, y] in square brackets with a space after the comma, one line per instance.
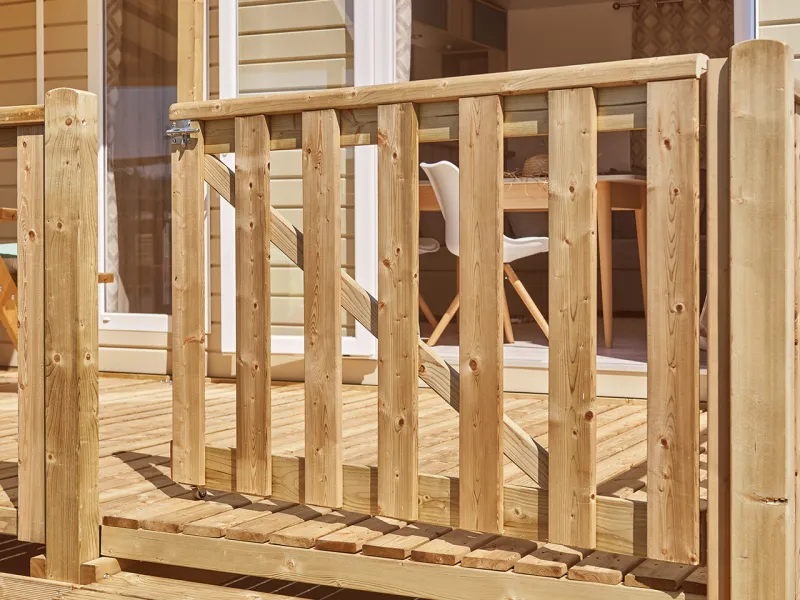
[762, 301]
[718, 312]
[191, 50]
[450, 548]
[400, 544]
[30, 280]
[499, 554]
[305, 535]
[550, 560]
[673, 320]
[323, 316]
[188, 311]
[352, 539]
[573, 317]
[253, 397]
[398, 313]
[19, 116]
[216, 526]
[480, 318]
[609, 74]
[259, 530]
[175, 521]
[604, 567]
[71, 351]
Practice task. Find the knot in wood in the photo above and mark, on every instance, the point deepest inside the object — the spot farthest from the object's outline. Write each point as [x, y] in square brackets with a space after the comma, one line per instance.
[667, 144]
[588, 416]
[664, 443]
[399, 422]
[57, 358]
[32, 235]
[68, 122]
[473, 364]
[679, 307]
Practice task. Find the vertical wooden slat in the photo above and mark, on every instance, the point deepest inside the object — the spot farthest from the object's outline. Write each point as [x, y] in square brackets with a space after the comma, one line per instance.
[762, 271]
[253, 400]
[480, 319]
[718, 312]
[573, 317]
[323, 317]
[673, 321]
[191, 45]
[398, 313]
[797, 334]
[188, 311]
[71, 386]
[30, 351]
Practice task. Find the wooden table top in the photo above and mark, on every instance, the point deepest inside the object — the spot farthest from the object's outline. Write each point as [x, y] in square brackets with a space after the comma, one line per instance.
[530, 194]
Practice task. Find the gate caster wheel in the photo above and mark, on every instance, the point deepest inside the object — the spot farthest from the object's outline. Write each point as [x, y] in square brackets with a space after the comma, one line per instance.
[199, 493]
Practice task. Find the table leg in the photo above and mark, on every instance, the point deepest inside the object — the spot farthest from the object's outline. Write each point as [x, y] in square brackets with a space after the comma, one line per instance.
[641, 239]
[507, 318]
[604, 252]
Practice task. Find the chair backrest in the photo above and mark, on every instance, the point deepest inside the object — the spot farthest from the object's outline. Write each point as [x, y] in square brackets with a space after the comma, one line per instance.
[443, 176]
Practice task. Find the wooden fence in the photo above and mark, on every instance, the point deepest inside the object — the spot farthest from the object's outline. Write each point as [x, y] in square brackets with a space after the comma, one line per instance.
[58, 322]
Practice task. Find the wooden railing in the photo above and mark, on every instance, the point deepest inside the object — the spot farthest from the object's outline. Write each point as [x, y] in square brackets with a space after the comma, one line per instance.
[571, 105]
[57, 149]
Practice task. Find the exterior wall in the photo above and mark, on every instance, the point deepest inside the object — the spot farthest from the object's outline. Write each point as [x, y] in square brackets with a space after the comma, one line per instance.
[284, 46]
[66, 54]
[780, 20]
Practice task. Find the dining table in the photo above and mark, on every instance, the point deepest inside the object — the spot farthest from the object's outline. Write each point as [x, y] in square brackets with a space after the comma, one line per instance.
[615, 191]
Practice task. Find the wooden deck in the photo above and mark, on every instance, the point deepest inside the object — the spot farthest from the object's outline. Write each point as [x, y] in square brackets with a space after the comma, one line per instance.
[140, 503]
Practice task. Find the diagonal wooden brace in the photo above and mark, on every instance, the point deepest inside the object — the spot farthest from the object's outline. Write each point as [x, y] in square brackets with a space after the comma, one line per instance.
[442, 378]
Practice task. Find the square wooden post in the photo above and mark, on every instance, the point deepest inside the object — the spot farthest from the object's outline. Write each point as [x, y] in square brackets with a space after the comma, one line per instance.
[70, 305]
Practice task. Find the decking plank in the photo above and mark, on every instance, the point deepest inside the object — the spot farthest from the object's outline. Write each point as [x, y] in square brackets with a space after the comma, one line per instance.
[305, 535]
[259, 530]
[400, 544]
[451, 547]
[604, 567]
[352, 539]
[498, 555]
[216, 526]
[659, 575]
[550, 560]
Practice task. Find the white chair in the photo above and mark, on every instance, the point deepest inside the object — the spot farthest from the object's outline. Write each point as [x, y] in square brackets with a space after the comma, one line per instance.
[428, 246]
[444, 181]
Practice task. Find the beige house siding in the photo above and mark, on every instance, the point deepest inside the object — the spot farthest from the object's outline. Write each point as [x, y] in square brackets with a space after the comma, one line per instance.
[66, 61]
[284, 46]
[780, 20]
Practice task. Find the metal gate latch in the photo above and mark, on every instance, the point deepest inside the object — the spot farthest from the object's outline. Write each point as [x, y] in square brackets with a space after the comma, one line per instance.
[181, 132]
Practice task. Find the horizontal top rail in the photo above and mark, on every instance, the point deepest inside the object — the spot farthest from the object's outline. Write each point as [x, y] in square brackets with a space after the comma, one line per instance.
[14, 116]
[609, 74]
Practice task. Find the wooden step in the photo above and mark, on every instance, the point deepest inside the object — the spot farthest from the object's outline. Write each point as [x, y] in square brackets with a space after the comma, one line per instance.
[259, 530]
[451, 547]
[659, 575]
[550, 560]
[604, 567]
[498, 555]
[305, 535]
[399, 545]
[216, 526]
[352, 539]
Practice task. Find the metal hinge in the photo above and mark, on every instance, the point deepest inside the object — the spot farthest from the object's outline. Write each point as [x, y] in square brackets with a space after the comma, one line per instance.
[181, 132]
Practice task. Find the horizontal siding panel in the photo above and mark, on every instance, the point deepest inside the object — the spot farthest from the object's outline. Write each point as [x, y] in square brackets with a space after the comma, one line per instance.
[288, 164]
[67, 64]
[18, 68]
[76, 83]
[293, 76]
[65, 11]
[314, 14]
[23, 92]
[15, 16]
[21, 41]
[778, 10]
[788, 34]
[65, 37]
[299, 45]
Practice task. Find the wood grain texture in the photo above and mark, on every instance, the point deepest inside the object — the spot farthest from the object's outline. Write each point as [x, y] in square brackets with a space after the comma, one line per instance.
[253, 396]
[762, 301]
[352, 539]
[191, 47]
[673, 321]
[610, 74]
[19, 116]
[572, 427]
[718, 311]
[518, 446]
[480, 319]
[30, 280]
[188, 311]
[71, 351]
[399, 545]
[323, 317]
[398, 313]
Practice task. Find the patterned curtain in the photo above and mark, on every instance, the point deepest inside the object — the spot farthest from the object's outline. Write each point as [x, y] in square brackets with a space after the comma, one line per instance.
[403, 40]
[704, 26]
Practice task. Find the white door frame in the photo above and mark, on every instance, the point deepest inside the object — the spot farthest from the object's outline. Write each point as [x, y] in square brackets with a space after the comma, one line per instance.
[745, 20]
[373, 62]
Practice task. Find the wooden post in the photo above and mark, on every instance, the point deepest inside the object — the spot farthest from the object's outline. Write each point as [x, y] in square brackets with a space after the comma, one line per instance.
[797, 329]
[762, 296]
[398, 313]
[191, 44]
[30, 352]
[323, 316]
[71, 386]
[481, 316]
[253, 397]
[573, 317]
[673, 320]
[188, 311]
[718, 311]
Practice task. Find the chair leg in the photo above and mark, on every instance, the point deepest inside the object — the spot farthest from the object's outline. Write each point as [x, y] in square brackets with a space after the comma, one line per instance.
[426, 311]
[507, 319]
[446, 318]
[641, 239]
[604, 255]
[527, 300]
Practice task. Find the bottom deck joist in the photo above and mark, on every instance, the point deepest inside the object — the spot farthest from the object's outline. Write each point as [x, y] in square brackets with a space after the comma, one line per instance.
[348, 550]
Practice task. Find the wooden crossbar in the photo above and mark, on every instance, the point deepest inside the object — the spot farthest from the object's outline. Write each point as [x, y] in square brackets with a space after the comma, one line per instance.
[518, 446]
